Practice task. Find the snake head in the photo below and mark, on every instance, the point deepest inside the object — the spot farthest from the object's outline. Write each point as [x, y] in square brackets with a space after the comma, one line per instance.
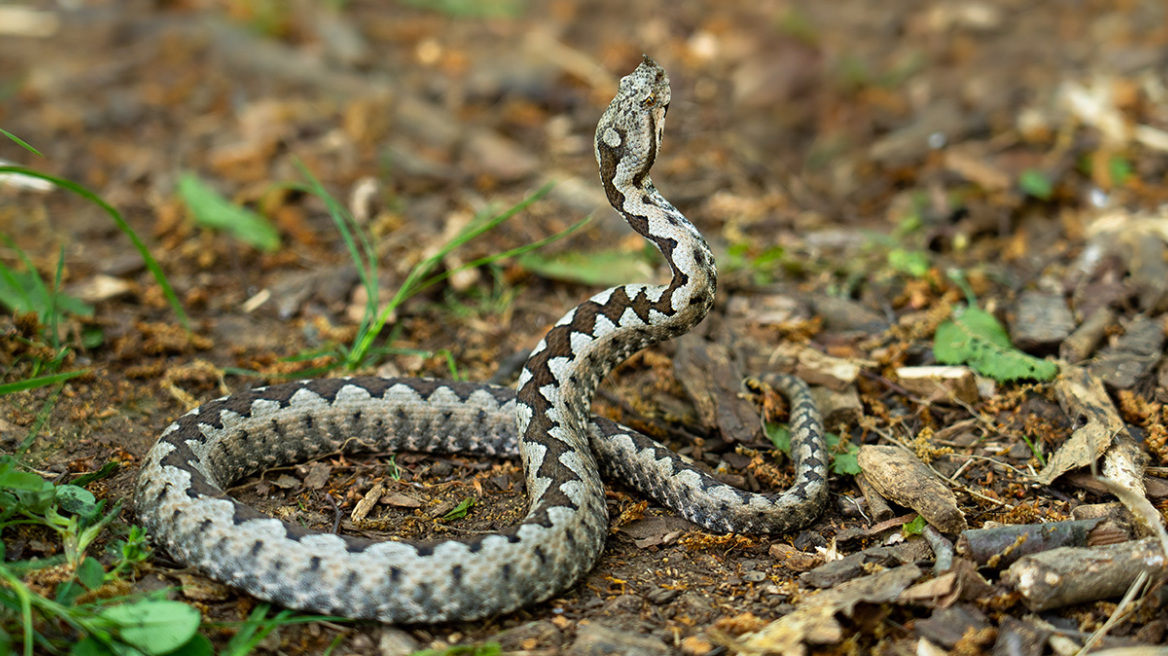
[628, 136]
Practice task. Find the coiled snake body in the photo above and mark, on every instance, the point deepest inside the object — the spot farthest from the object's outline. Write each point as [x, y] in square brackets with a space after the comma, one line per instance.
[564, 450]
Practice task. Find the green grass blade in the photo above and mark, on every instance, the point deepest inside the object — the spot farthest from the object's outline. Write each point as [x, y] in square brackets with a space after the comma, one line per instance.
[39, 381]
[422, 269]
[514, 252]
[212, 210]
[120, 221]
[20, 142]
[52, 314]
[254, 630]
[361, 249]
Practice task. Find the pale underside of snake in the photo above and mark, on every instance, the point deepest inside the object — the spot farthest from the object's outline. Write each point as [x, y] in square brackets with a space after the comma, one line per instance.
[180, 494]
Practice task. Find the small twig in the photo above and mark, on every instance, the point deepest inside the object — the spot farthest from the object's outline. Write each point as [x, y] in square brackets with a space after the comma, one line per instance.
[942, 548]
[336, 512]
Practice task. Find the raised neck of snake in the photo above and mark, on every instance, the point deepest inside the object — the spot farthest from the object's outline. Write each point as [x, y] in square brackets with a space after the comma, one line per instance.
[588, 342]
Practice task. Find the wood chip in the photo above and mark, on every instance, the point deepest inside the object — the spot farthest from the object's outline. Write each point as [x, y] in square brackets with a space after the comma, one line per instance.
[838, 408]
[399, 500]
[814, 620]
[1133, 355]
[1083, 398]
[1082, 343]
[791, 558]
[815, 368]
[318, 475]
[1041, 320]
[361, 510]
[713, 381]
[201, 588]
[939, 384]
[903, 479]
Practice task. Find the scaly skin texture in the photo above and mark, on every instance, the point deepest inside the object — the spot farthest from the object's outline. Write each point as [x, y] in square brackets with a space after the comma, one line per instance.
[181, 502]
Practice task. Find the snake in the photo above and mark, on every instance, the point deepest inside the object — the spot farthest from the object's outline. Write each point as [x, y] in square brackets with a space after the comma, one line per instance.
[180, 496]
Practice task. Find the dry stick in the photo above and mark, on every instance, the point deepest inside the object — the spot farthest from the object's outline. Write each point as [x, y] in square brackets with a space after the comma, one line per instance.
[336, 512]
[1071, 575]
[942, 549]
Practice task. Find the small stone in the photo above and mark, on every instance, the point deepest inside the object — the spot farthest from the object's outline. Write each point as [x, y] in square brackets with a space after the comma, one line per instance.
[395, 642]
[594, 639]
[533, 635]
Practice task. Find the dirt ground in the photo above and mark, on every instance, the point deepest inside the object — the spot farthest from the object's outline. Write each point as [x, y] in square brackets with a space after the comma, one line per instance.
[843, 158]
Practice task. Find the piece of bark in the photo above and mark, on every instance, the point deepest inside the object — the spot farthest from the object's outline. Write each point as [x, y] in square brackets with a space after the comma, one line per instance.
[946, 626]
[1018, 638]
[877, 506]
[816, 368]
[1083, 398]
[814, 620]
[1147, 270]
[1116, 520]
[713, 381]
[1072, 575]
[836, 572]
[1003, 545]
[1041, 321]
[838, 408]
[793, 559]
[845, 315]
[903, 479]
[1125, 462]
[939, 384]
[593, 639]
[1132, 356]
[1082, 343]
[361, 510]
[1156, 488]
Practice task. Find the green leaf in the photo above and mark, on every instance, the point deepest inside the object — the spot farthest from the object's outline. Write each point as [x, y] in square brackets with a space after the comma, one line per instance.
[76, 500]
[977, 339]
[91, 573]
[914, 527]
[914, 263]
[1034, 183]
[196, 646]
[214, 211]
[21, 481]
[598, 268]
[154, 627]
[846, 462]
[1120, 170]
[780, 436]
[88, 646]
[460, 510]
[68, 592]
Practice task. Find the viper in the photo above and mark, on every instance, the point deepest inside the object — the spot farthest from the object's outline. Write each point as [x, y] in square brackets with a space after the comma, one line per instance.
[547, 421]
